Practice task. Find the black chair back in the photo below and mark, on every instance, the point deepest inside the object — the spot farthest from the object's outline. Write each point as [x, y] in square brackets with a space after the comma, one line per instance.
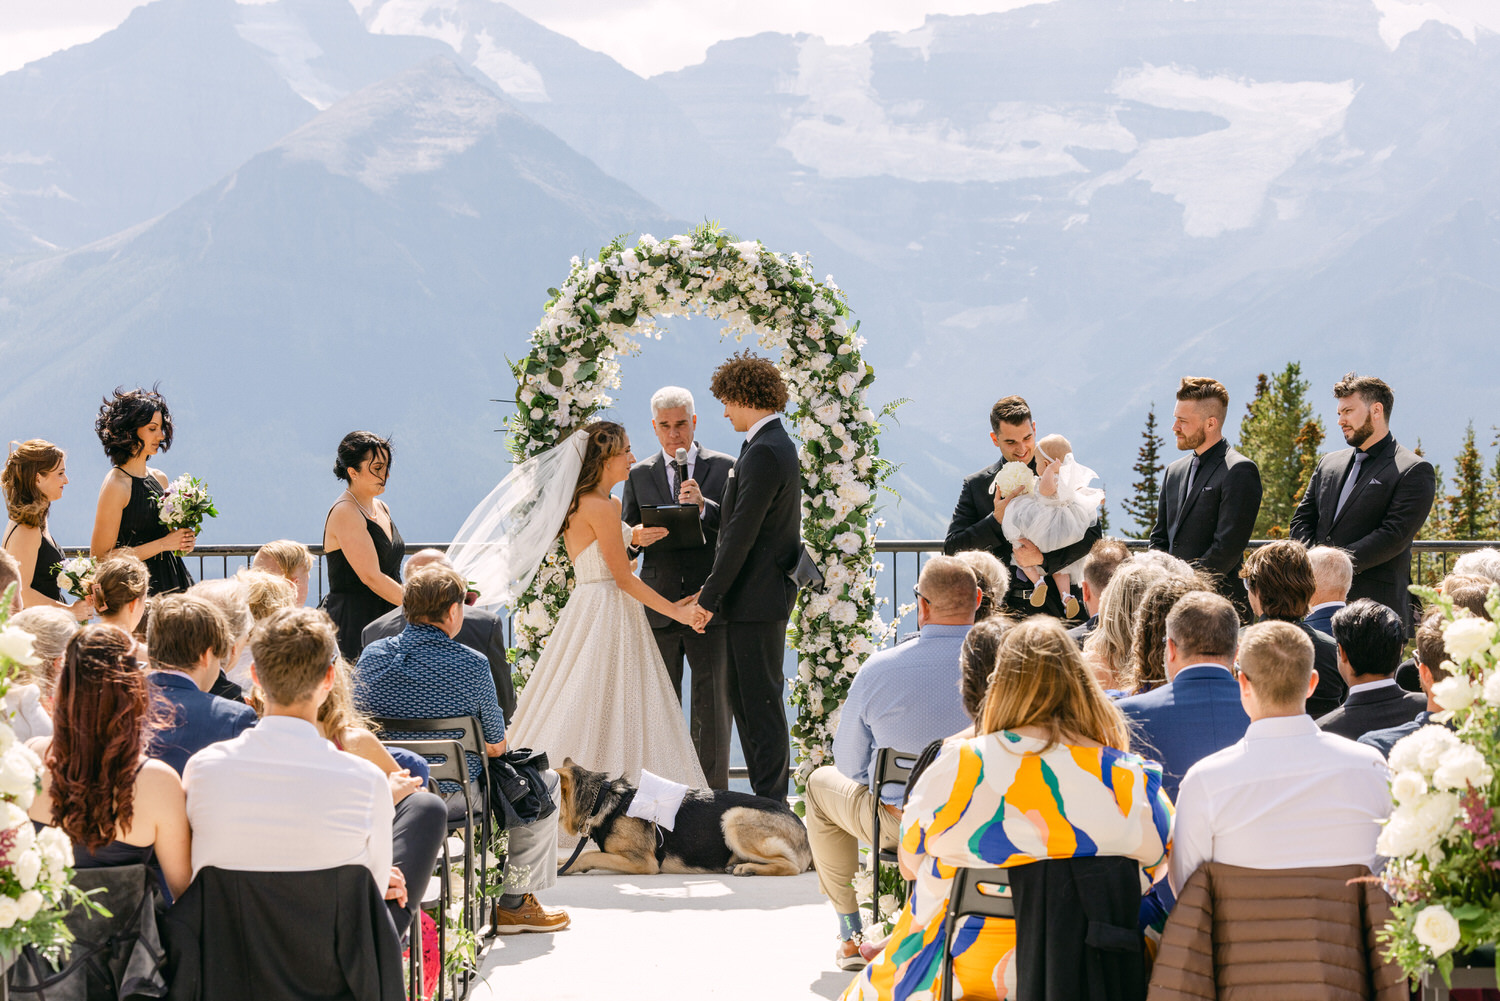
[983, 893]
[891, 766]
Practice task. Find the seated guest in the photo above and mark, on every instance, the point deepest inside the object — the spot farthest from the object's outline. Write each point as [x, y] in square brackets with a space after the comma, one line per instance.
[1432, 654]
[1149, 631]
[1467, 592]
[423, 672]
[1287, 795]
[29, 699]
[115, 804]
[350, 731]
[482, 631]
[1333, 574]
[186, 641]
[281, 798]
[264, 594]
[1370, 637]
[1099, 567]
[1048, 776]
[229, 596]
[1198, 711]
[288, 559]
[1479, 563]
[119, 592]
[993, 579]
[1107, 649]
[1279, 580]
[903, 697]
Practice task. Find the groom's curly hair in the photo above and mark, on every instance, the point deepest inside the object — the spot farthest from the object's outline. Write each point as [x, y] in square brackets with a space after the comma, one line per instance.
[750, 381]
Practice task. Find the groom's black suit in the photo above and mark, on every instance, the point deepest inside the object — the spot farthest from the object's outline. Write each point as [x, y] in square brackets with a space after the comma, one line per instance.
[759, 533]
[675, 574]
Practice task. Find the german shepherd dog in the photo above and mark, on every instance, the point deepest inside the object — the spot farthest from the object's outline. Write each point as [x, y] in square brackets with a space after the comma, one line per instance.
[715, 831]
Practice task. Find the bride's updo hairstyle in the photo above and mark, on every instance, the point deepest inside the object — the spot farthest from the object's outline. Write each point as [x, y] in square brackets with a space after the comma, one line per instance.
[122, 415]
[359, 447]
[1041, 680]
[606, 440]
[26, 462]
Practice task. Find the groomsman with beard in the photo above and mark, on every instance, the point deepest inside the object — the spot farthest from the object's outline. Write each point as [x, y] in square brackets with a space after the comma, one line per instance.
[1370, 499]
[1209, 500]
[980, 511]
[676, 573]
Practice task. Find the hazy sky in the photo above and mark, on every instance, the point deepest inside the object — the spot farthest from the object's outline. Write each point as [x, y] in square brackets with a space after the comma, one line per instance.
[652, 36]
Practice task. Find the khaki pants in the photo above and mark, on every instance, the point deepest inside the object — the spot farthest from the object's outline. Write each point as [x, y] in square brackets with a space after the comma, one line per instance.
[838, 819]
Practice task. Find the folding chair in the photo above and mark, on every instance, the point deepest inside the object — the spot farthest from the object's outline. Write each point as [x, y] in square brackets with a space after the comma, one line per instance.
[891, 766]
[982, 892]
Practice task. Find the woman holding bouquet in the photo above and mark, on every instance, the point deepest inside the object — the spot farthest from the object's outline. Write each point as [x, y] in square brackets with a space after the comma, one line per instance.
[33, 479]
[361, 541]
[132, 427]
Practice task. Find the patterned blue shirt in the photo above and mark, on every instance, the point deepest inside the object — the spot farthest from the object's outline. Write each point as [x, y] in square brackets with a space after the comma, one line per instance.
[904, 697]
[420, 673]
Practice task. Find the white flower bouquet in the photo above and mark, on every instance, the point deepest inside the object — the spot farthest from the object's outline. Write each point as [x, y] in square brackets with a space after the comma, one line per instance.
[1443, 837]
[1013, 476]
[75, 576]
[185, 503]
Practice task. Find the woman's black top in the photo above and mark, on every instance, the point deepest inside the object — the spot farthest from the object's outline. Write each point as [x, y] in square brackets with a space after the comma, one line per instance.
[140, 523]
[44, 574]
[349, 601]
[112, 854]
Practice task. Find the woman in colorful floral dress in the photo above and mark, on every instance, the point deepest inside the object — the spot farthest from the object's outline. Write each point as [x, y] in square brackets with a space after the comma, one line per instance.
[1049, 776]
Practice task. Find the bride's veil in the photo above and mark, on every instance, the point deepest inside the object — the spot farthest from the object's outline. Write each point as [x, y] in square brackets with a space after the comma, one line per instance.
[505, 538]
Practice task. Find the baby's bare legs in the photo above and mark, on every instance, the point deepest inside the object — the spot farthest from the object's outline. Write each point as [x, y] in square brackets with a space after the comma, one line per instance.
[1033, 574]
[1064, 582]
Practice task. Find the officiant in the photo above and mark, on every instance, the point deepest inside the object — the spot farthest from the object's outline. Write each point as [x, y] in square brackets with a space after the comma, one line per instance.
[683, 472]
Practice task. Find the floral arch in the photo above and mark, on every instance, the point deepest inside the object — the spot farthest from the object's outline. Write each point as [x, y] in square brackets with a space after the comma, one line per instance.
[597, 316]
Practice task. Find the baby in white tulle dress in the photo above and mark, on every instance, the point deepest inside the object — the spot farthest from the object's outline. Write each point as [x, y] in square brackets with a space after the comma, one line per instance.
[1055, 510]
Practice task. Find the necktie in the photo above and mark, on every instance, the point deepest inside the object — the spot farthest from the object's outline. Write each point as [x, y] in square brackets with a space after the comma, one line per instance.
[1187, 491]
[1349, 482]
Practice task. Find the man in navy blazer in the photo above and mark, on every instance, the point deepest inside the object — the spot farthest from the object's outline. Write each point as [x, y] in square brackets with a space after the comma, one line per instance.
[1199, 711]
[186, 641]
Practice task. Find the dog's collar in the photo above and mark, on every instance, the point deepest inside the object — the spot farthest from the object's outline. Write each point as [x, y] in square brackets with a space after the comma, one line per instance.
[583, 839]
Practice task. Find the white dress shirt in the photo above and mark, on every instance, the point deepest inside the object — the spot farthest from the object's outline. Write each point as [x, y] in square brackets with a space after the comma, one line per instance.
[1370, 686]
[1286, 796]
[281, 798]
[1324, 604]
[755, 428]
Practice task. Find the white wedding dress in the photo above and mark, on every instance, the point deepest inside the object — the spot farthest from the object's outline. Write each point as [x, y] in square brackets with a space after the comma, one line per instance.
[600, 693]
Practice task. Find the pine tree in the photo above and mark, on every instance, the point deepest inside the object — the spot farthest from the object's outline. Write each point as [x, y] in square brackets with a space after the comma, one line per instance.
[1141, 506]
[1492, 529]
[1281, 434]
[1436, 525]
[1468, 505]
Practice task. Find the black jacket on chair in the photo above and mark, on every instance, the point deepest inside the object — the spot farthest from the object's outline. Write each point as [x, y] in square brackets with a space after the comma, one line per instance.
[293, 936]
[1387, 509]
[1211, 526]
[1077, 930]
[1373, 709]
[760, 532]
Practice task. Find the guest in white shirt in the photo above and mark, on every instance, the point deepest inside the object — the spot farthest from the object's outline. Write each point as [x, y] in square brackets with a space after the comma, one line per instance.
[1287, 796]
[1333, 575]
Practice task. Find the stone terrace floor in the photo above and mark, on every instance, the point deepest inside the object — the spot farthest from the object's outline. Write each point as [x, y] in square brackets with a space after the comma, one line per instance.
[649, 938]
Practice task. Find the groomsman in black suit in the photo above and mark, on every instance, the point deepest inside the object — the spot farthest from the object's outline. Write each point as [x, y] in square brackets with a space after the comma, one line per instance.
[978, 515]
[749, 587]
[1206, 509]
[1369, 500]
[675, 573]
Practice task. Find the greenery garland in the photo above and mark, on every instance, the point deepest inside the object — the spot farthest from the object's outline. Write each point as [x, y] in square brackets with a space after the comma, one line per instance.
[595, 318]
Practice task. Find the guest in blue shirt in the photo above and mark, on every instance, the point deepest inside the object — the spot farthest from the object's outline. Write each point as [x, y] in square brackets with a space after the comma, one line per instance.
[904, 697]
[187, 641]
[1198, 711]
[1431, 653]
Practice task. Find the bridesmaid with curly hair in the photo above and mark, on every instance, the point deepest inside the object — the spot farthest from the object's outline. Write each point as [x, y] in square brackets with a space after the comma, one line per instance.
[34, 477]
[132, 427]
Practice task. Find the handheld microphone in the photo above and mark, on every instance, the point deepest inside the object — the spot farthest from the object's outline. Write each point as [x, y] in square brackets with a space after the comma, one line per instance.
[682, 456]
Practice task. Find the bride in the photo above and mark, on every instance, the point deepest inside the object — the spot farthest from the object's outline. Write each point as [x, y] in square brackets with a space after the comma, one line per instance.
[600, 693]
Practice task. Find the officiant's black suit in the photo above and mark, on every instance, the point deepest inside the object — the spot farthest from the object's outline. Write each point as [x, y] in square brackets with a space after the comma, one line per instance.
[1211, 526]
[973, 526]
[1384, 513]
[675, 574]
[760, 524]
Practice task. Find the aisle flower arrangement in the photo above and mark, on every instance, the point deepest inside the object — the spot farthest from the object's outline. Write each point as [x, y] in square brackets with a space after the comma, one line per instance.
[1443, 837]
[602, 312]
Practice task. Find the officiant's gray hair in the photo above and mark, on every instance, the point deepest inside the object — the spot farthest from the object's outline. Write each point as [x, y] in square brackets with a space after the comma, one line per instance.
[670, 398]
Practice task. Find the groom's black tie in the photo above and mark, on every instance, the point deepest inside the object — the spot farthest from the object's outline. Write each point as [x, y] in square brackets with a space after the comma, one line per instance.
[744, 446]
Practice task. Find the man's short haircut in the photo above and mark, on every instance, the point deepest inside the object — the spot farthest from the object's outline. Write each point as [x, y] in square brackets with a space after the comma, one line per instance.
[670, 398]
[1277, 657]
[1367, 388]
[1204, 624]
[10, 573]
[1431, 651]
[283, 556]
[293, 650]
[1480, 563]
[1009, 410]
[1468, 592]
[1332, 568]
[430, 592]
[749, 380]
[183, 627]
[1104, 558]
[1281, 576]
[949, 586]
[231, 597]
[1371, 636]
[1198, 388]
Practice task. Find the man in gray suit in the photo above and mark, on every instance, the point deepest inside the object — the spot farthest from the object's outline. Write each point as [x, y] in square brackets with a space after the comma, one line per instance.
[674, 573]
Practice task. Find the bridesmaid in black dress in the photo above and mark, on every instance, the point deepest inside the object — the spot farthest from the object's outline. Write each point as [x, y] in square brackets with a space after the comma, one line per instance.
[34, 479]
[132, 427]
[361, 543]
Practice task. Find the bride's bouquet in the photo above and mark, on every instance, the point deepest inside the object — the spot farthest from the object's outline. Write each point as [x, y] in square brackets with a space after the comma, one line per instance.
[76, 575]
[1013, 475]
[185, 503]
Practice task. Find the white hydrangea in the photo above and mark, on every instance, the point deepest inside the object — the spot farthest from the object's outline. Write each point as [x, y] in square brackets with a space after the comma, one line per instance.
[1455, 692]
[16, 644]
[1491, 692]
[1461, 767]
[1408, 786]
[1468, 638]
[1422, 750]
[27, 868]
[29, 903]
[10, 911]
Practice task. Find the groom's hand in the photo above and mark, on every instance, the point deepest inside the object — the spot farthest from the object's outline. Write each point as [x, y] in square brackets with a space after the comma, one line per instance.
[643, 535]
[1026, 554]
[690, 494]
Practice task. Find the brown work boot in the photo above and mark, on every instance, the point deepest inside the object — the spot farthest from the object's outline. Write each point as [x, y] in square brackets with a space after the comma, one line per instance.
[530, 916]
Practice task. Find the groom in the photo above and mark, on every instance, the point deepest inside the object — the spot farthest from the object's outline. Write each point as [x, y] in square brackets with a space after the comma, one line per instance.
[748, 588]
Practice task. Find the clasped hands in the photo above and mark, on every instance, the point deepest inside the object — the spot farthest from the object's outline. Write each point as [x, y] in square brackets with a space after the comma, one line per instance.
[696, 615]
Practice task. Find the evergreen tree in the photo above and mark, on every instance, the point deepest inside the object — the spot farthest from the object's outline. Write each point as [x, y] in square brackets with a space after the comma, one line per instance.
[1281, 434]
[1436, 525]
[1469, 504]
[1141, 506]
[1492, 529]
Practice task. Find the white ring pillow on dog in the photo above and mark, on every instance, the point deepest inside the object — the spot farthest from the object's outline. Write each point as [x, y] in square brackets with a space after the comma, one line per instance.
[657, 800]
